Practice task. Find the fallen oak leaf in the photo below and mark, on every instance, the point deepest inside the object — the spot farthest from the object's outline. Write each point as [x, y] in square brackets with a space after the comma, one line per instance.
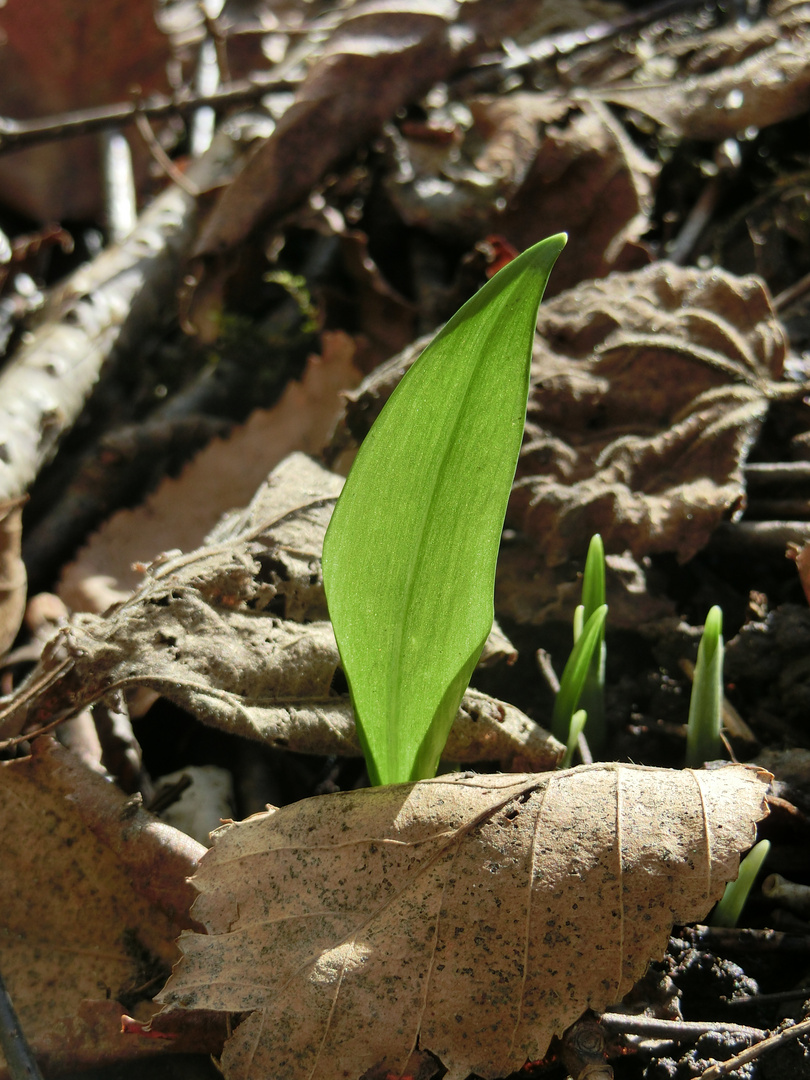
[477, 915]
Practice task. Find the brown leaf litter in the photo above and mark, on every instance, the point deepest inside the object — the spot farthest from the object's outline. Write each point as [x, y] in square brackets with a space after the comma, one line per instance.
[69, 57]
[224, 475]
[237, 634]
[526, 165]
[479, 915]
[94, 893]
[648, 390]
[713, 86]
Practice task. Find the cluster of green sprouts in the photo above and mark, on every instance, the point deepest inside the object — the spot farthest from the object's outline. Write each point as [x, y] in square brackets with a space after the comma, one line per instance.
[580, 699]
[409, 557]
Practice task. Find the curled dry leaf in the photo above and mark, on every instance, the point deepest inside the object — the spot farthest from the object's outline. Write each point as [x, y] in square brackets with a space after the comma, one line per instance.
[373, 63]
[553, 162]
[648, 389]
[726, 80]
[479, 915]
[589, 178]
[94, 892]
[237, 634]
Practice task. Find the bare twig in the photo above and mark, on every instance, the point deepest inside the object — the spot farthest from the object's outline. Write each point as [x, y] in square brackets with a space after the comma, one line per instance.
[101, 306]
[547, 670]
[763, 473]
[723, 939]
[675, 1030]
[800, 992]
[161, 157]
[16, 134]
[723, 1068]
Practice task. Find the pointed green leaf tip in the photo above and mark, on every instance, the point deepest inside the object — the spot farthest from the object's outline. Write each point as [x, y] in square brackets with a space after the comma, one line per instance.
[409, 556]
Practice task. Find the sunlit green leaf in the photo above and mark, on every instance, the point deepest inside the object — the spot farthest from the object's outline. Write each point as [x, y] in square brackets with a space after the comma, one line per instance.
[575, 674]
[729, 908]
[703, 741]
[576, 728]
[592, 698]
[409, 557]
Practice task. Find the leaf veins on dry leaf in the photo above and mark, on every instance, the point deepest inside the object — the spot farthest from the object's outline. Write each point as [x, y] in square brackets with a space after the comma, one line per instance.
[648, 389]
[476, 915]
[237, 634]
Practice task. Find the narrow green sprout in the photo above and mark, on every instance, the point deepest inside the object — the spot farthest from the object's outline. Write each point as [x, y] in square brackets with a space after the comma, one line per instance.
[575, 674]
[703, 741]
[409, 556]
[729, 908]
[574, 731]
[592, 699]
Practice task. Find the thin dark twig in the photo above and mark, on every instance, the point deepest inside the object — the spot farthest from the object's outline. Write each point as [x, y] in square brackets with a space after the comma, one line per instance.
[801, 992]
[21, 1062]
[161, 157]
[16, 134]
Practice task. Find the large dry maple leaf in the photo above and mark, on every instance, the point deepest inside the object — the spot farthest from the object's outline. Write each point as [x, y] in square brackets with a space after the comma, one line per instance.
[477, 915]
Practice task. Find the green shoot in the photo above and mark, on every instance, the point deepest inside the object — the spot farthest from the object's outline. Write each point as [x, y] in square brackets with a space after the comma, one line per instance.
[575, 674]
[574, 731]
[409, 556]
[703, 741]
[592, 699]
[729, 908]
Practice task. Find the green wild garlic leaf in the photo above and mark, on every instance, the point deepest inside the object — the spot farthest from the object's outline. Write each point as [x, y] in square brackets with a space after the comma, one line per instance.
[409, 556]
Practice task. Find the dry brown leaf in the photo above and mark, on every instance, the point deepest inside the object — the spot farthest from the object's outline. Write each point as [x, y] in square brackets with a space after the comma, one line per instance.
[94, 892]
[374, 62]
[224, 475]
[726, 80]
[71, 56]
[554, 164]
[648, 390]
[591, 181]
[237, 634]
[480, 915]
[13, 578]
